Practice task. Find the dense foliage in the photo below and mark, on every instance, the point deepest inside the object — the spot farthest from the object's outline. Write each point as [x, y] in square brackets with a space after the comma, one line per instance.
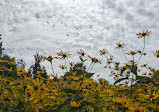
[75, 91]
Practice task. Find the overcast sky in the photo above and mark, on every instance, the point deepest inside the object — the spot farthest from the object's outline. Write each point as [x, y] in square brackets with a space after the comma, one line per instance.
[48, 26]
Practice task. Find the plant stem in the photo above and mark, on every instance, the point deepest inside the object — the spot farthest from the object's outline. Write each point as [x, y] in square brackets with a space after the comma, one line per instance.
[89, 66]
[142, 51]
[125, 55]
[52, 69]
[65, 65]
[92, 67]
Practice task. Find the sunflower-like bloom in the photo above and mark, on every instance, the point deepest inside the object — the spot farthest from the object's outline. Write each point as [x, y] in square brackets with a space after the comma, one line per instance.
[81, 52]
[74, 104]
[21, 72]
[62, 66]
[71, 63]
[103, 51]
[132, 53]
[118, 101]
[147, 33]
[37, 84]
[137, 108]
[157, 53]
[94, 60]
[49, 58]
[63, 54]
[119, 45]
[151, 95]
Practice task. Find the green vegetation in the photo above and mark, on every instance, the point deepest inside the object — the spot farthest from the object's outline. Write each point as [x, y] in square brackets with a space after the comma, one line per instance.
[34, 91]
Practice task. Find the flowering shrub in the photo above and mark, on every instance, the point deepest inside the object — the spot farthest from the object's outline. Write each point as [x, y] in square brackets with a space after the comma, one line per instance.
[76, 91]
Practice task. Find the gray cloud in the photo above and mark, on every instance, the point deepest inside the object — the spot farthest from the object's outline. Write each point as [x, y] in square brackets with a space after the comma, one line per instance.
[49, 26]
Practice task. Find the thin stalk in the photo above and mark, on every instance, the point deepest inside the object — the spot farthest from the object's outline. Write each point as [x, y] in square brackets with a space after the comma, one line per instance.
[92, 67]
[89, 66]
[125, 55]
[108, 59]
[112, 61]
[142, 51]
[131, 88]
[105, 56]
[52, 69]
[63, 72]
[65, 65]
[133, 57]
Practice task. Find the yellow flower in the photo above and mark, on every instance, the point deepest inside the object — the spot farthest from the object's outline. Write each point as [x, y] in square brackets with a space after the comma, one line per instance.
[118, 101]
[63, 67]
[94, 60]
[49, 58]
[104, 109]
[119, 45]
[71, 63]
[157, 53]
[144, 34]
[37, 84]
[103, 51]
[40, 72]
[136, 108]
[63, 54]
[81, 52]
[21, 72]
[151, 95]
[11, 63]
[74, 104]
[74, 73]
[80, 68]
[132, 53]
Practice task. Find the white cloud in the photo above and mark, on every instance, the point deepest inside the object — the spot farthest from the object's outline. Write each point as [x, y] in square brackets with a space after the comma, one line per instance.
[48, 26]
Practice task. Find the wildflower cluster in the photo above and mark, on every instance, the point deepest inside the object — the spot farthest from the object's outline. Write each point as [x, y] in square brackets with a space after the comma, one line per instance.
[77, 91]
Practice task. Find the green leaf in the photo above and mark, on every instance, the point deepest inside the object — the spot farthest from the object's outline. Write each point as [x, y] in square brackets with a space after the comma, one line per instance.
[119, 80]
[85, 60]
[117, 64]
[145, 78]
[69, 91]
[121, 84]
[134, 70]
[15, 84]
[69, 82]
[144, 53]
[9, 89]
[122, 71]
[89, 75]
[91, 104]
[139, 52]
[81, 58]
[64, 104]
[79, 98]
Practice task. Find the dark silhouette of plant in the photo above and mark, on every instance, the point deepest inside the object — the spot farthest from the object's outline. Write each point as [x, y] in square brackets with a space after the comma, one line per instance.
[8, 67]
[37, 67]
[8, 70]
[1, 49]
[79, 71]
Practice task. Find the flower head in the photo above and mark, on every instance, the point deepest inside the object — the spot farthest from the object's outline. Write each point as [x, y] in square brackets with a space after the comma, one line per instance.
[63, 67]
[144, 34]
[63, 54]
[157, 53]
[74, 104]
[103, 51]
[94, 60]
[132, 53]
[71, 63]
[119, 45]
[81, 52]
[49, 58]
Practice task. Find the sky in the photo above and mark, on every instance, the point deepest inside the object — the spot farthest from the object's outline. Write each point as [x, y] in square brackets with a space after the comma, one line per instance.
[49, 26]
